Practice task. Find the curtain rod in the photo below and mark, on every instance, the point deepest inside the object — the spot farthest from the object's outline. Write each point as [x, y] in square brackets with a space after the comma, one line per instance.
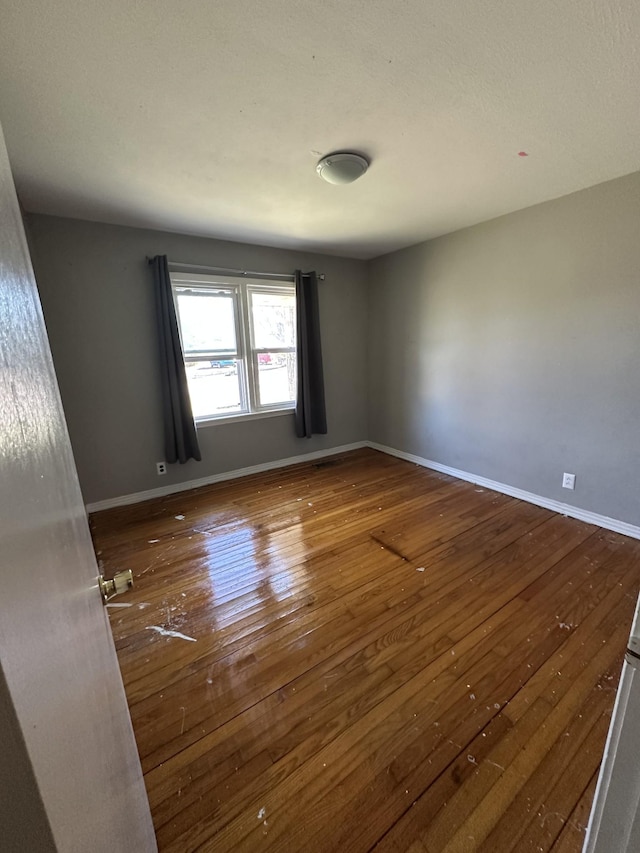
[238, 272]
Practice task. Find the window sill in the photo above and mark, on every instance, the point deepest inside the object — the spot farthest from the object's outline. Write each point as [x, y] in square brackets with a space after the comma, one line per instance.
[252, 416]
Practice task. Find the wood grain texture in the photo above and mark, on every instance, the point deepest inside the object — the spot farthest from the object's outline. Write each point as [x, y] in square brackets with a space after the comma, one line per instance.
[367, 655]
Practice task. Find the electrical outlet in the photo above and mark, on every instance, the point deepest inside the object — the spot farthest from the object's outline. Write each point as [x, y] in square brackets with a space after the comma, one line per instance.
[161, 467]
[568, 481]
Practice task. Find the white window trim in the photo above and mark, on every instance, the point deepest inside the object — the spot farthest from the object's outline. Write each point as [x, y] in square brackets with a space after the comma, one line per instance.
[244, 416]
[240, 288]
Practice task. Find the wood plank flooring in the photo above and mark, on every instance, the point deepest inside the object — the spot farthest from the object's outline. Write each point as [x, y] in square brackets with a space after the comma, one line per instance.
[360, 654]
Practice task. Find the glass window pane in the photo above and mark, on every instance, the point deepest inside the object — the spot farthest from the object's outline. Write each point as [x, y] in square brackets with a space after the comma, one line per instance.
[274, 319]
[276, 377]
[214, 387]
[207, 322]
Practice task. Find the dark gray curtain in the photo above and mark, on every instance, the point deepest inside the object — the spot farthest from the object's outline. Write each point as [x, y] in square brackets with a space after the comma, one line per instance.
[311, 415]
[181, 440]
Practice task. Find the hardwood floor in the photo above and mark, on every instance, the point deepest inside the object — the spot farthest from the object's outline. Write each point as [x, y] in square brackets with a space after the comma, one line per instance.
[361, 654]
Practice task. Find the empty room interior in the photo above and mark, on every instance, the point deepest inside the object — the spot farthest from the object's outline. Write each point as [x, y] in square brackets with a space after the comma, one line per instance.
[342, 303]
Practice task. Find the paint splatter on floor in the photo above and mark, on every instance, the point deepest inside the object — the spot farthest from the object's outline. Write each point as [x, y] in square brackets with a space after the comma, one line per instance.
[166, 633]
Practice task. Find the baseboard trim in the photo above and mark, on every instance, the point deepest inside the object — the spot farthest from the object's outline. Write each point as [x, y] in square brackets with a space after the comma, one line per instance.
[556, 506]
[175, 488]
[548, 503]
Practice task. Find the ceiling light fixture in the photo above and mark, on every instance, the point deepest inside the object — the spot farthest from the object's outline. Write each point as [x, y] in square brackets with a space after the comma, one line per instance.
[343, 167]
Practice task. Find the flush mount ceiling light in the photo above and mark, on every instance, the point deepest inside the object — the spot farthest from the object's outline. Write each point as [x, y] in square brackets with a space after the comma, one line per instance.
[342, 168]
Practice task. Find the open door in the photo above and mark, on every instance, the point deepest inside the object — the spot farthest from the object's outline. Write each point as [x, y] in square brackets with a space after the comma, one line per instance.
[67, 740]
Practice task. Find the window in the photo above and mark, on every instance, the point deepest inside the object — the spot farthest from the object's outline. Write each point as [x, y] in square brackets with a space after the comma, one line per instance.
[239, 344]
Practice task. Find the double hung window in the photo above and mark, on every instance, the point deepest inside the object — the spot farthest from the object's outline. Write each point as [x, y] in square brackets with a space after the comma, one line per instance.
[239, 344]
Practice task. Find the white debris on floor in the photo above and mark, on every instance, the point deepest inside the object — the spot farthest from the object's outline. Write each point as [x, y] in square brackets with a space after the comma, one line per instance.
[166, 633]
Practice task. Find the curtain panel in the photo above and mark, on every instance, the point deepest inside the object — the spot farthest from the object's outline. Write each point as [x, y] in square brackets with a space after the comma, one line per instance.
[310, 414]
[181, 439]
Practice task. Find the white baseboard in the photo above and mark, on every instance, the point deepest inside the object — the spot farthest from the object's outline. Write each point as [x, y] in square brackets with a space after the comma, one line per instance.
[163, 491]
[556, 506]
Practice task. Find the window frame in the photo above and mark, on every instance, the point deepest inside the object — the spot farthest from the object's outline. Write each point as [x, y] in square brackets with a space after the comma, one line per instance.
[246, 353]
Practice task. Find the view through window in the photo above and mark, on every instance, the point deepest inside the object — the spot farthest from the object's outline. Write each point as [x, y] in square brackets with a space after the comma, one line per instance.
[239, 344]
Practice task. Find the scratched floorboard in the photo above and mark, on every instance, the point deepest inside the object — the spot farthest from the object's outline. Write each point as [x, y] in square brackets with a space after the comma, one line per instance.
[361, 654]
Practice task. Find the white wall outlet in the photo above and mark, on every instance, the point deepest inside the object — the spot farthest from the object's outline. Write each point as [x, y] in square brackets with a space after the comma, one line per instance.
[568, 481]
[161, 467]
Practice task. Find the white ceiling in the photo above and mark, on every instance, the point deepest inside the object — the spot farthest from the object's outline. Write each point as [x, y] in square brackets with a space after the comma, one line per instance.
[208, 117]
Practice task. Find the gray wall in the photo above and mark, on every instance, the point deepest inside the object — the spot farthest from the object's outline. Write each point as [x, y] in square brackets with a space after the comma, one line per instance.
[511, 349]
[96, 293]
